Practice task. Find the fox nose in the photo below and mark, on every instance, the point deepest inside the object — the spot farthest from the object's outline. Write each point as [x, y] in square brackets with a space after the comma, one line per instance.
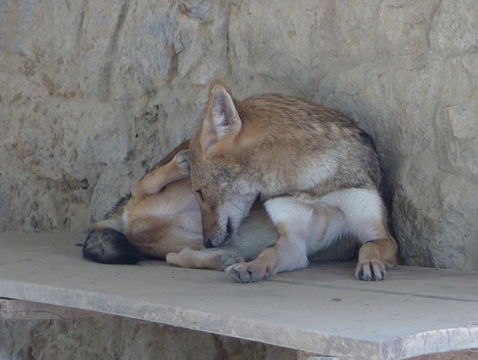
[207, 243]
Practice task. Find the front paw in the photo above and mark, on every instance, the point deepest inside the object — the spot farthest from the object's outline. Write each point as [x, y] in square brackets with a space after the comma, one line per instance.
[173, 259]
[373, 270]
[246, 273]
[181, 259]
[182, 160]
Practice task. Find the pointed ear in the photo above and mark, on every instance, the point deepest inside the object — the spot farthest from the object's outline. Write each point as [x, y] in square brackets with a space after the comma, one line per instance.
[222, 120]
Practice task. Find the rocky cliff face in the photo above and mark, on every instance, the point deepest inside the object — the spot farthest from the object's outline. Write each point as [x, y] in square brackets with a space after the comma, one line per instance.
[106, 337]
[94, 92]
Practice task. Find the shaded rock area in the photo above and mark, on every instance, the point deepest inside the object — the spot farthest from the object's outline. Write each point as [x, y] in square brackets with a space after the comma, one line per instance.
[106, 337]
[95, 92]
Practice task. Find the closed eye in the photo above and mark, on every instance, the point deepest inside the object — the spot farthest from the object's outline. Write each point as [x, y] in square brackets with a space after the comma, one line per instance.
[199, 192]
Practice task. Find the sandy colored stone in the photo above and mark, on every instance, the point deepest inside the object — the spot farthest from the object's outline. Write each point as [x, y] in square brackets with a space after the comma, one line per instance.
[106, 337]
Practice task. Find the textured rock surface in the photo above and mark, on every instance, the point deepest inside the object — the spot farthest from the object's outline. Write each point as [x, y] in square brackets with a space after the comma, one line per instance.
[93, 93]
[107, 337]
[38, 331]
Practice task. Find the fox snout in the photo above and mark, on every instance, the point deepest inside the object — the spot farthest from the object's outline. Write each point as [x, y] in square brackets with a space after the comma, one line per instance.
[220, 236]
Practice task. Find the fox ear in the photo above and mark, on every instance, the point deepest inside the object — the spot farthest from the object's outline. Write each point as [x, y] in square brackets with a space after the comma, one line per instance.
[222, 120]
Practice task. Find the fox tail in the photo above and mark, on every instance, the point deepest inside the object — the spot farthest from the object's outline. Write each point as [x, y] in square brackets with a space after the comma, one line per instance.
[108, 246]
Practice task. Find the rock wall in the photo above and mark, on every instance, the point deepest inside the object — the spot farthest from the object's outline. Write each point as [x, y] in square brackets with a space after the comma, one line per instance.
[94, 92]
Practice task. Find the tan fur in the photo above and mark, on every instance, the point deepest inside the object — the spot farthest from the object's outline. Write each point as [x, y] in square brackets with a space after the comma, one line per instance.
[162, 216]
[159, 224]
[162, 219]
[153, 222]
[167, 172]
[311, 156]
[197, 259]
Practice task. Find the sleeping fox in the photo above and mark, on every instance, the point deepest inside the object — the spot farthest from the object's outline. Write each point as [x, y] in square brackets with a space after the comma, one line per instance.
[161, 219]
[314, 169]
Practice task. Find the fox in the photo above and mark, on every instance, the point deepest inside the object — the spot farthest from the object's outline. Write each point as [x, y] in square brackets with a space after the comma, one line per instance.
[314, 169]
[160, 219]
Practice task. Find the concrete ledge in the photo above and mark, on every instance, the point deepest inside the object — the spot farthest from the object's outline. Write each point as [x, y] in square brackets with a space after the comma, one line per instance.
[321, 310]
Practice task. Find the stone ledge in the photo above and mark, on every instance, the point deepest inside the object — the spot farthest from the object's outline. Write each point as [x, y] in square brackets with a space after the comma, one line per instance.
[321, 309]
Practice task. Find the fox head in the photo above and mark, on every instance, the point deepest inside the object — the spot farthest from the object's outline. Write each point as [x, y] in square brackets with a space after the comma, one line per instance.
[222, 188]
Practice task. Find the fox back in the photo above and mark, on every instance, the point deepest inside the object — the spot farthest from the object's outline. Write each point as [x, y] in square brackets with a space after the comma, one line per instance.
[271, 145]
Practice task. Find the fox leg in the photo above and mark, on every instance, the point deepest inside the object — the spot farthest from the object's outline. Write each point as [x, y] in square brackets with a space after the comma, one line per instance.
[374, 257]
[156, 179]
[293, 219]
[216, 259]
[366, 218]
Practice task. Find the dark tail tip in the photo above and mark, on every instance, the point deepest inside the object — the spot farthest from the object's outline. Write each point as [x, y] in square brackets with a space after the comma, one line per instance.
[110, 247]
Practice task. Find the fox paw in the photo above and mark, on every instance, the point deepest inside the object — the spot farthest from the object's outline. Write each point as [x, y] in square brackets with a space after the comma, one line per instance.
[226, 260]
[182, 160]
[371, 271]
[246, 273]
[173, 259]
[181, 259]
